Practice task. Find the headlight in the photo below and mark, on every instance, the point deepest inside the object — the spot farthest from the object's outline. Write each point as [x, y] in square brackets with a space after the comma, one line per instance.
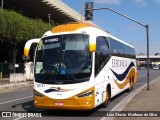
[85, 94]
[37, 94]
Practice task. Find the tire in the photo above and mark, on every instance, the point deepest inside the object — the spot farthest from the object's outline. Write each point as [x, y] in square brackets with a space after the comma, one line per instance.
[131, 83]
[106, 103]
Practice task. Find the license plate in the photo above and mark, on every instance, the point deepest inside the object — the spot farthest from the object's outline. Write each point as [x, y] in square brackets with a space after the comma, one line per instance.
[58, 103]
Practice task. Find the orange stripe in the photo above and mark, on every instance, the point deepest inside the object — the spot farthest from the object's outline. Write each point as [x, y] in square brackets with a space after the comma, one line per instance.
[69, 27]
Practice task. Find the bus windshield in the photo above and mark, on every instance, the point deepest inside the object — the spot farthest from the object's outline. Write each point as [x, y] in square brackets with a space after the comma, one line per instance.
[63, 59]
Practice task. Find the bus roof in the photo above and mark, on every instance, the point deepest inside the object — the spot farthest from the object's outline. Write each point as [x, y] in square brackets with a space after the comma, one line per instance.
[70, 27]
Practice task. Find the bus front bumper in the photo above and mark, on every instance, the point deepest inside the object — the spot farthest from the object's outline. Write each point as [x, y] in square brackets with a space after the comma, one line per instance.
[68, 104]
[72, 103]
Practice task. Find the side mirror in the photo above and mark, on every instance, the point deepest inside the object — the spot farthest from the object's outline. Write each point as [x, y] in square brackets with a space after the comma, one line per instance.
[92, 43]
[92, 47]
[28, 45]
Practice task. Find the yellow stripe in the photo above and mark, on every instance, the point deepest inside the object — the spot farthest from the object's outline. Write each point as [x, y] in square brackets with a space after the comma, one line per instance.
[127, 80]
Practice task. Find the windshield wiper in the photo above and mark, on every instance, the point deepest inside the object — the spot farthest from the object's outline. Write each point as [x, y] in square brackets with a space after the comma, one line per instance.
[73, 78]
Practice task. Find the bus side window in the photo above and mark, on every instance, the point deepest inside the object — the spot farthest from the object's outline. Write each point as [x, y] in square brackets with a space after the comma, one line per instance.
[101, 54]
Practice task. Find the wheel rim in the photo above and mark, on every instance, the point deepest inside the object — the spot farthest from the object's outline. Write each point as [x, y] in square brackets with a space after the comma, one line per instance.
[107, 96]
[131, 85]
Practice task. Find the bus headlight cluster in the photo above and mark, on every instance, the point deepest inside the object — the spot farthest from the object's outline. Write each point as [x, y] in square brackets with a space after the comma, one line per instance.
[85, 94]
[37, 94]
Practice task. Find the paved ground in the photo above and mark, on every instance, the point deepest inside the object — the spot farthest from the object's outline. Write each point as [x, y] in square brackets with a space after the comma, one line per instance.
[145, 100]
[5, 86]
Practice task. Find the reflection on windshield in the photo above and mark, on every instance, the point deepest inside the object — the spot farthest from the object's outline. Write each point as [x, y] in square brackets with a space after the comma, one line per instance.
[63, 59]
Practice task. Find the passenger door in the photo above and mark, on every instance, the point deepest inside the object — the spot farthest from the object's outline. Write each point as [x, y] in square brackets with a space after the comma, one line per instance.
[102, 55]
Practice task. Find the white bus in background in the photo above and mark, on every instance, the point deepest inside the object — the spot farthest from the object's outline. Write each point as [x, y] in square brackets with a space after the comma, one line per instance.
[78, 66]
[156, 65]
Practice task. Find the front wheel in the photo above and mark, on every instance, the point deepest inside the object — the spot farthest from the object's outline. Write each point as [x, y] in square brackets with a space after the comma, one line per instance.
[106, 103]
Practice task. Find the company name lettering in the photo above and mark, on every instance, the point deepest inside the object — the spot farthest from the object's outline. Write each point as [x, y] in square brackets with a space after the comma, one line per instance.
[119, 63]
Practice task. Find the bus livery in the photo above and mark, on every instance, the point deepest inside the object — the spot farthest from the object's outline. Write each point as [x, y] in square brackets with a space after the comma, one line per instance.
[78, 66]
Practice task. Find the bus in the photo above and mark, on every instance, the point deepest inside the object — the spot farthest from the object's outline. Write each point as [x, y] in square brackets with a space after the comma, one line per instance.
[156, 65]
[78, 66]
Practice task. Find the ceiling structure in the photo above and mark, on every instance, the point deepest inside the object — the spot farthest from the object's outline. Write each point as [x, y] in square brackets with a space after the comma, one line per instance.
[58, 10]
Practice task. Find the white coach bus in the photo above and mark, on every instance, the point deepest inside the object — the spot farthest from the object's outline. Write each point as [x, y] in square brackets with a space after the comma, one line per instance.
[78, 66]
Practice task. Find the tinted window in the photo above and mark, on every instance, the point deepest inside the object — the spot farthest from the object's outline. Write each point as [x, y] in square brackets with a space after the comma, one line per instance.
[102, 53]
[63, 59]
[121, 50]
